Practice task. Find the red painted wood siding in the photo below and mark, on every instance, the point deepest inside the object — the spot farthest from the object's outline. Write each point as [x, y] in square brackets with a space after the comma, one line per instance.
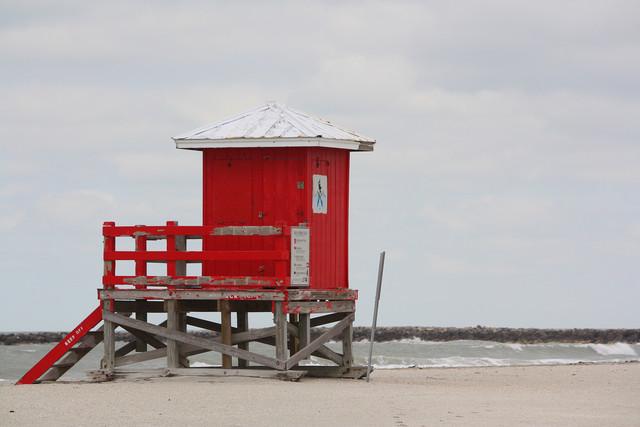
[261, 186]
[330, 231]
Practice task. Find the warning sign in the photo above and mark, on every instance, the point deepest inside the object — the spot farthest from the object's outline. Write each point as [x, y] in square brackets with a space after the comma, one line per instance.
[299, 256]
[320, 194]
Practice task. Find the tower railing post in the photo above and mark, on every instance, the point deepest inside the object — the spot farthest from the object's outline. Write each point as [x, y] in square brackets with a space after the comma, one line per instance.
[171, 247]
[109, 359]
[108, 244]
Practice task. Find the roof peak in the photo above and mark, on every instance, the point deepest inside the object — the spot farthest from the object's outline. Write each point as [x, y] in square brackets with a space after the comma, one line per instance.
[273, 124]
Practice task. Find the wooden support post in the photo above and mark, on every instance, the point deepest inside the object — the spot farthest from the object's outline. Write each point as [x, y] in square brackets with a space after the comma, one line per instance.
[243, 326]
[225, 321]
[109, 361]
[182, 327]
[280, 320]
[190, 340]
[294, 339]
[141, 346]
[334, 331]
[347, 346]
[304, 329]
[141, 270]
[181, 270]
[173, 347]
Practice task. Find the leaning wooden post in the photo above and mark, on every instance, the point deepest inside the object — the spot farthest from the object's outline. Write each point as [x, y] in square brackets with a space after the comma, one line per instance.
[243, 326]
[225, 322]
[280, 320]
[141, 270]
[375, 312]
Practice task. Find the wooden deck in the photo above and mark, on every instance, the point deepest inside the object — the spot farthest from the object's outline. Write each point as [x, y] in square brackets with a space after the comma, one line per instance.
[295, 313]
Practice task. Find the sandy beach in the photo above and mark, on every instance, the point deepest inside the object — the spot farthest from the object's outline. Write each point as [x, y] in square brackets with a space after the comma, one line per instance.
[582, 395]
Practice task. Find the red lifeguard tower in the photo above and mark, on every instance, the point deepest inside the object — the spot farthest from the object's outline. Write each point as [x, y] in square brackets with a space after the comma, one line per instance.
[274, 239]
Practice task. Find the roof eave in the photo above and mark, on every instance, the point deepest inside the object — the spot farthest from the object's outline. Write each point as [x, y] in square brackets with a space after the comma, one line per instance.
[344, 144]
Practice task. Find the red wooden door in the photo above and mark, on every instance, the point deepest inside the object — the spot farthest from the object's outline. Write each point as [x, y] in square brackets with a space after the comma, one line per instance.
[230, 202]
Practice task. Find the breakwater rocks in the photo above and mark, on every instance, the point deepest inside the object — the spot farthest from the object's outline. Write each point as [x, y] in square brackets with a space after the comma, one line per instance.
[512, 335]
[360, 333]
[10, 338]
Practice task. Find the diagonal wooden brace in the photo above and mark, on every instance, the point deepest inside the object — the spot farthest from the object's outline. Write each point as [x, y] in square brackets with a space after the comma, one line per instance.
[186, 338]
[320, 341]
[326, 353]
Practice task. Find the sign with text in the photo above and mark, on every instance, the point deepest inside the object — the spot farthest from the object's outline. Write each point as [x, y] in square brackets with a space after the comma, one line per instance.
[300, 238]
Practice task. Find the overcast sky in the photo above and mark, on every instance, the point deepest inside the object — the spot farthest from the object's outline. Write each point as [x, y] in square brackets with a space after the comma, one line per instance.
[505, 184]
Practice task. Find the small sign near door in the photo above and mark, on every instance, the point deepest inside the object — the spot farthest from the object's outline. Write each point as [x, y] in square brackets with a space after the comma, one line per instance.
[320, 194]
[299, 256]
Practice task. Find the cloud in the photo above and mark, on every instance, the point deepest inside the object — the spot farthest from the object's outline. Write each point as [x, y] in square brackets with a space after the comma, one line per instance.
[76, 206]
[9, 221]
[507, 155]
[490, 213]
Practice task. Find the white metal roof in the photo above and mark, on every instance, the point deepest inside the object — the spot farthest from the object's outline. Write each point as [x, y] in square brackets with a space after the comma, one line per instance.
[273, 125]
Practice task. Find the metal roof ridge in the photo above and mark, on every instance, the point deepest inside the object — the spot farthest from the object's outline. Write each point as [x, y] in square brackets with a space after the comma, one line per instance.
[258, 122]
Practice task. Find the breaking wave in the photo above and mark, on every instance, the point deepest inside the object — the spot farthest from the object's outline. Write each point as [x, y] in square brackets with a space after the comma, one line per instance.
[620, 348]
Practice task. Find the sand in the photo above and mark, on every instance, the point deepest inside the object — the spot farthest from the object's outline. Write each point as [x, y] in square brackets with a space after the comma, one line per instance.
[584, 395]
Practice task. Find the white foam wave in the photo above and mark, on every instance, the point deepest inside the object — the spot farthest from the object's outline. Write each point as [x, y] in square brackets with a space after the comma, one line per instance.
[413, 340]
[461, 362]
[394, 366]
[202, 365]
[514, 346]
[314, 361]
[470, 362]
[619, 348]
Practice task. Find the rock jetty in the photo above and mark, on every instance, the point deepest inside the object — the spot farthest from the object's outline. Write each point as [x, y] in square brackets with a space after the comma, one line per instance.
[393, 333]
[511, 335]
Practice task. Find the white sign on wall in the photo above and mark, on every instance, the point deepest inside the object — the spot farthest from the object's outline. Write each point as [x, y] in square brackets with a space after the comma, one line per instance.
[300, 256]
[320, 194]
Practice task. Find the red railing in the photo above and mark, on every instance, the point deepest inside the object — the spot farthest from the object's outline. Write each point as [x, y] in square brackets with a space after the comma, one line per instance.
[176, 256]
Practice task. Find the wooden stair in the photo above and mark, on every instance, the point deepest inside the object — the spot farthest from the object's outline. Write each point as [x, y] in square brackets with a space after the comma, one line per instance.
[73, 356]
[73, 347]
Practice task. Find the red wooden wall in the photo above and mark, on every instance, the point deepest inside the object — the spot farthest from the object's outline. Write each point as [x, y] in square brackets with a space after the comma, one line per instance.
[273, 186]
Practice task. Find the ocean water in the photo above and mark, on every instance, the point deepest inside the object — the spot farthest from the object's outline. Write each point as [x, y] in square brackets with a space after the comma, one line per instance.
[15, 360]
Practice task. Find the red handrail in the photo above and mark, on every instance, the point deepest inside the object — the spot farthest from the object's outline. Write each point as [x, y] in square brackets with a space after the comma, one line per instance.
[176, 256]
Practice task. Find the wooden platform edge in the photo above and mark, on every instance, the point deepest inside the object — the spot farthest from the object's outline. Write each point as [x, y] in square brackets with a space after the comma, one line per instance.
[354, 372]
[102, 375]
